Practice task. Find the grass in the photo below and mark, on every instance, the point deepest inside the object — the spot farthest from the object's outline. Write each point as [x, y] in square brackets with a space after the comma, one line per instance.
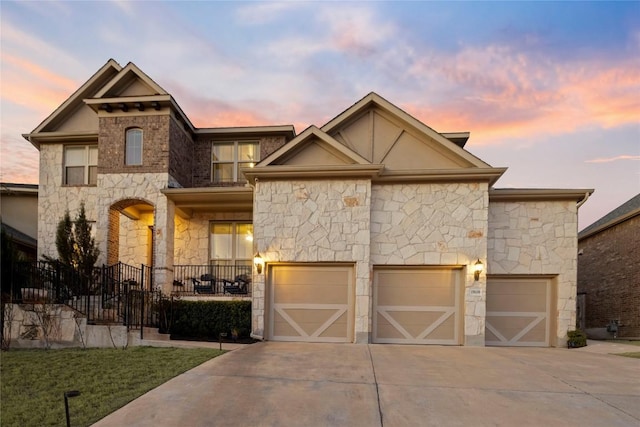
[34, 381]
[634, 354]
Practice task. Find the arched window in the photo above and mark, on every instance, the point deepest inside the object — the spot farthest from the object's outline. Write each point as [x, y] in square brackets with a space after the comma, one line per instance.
[133, 147]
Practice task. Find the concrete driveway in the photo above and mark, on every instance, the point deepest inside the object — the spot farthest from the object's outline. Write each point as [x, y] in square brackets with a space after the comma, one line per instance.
[294, 384]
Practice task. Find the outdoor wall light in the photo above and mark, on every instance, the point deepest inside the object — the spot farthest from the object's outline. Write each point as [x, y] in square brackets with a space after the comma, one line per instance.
[477, 269]
[258, 262]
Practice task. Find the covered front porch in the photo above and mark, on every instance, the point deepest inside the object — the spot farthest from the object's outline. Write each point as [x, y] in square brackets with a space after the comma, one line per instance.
[212, 246]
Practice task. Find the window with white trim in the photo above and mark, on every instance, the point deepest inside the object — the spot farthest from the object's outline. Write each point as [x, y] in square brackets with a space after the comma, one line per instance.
[229, 157]
[81, 165]
[133, 147]
[231, 243]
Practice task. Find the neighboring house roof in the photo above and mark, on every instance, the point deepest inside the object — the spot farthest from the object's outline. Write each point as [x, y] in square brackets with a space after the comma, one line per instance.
[620, 214]
[19, 237]
[8, 187]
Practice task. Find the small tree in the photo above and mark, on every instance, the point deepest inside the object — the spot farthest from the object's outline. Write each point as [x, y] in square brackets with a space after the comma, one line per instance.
[85, 251]
[76, 247]
[64, 240]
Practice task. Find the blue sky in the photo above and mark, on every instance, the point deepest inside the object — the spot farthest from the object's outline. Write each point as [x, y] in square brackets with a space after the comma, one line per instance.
[549, 89]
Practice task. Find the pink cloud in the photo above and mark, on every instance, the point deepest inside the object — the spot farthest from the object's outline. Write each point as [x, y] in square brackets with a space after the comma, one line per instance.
[613, 159]
[499, 94]
[32, 86]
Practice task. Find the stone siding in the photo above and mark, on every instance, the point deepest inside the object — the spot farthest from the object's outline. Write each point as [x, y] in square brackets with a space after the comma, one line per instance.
[192, 236]
[538, 238]
[609, 275]
[144, 188]
[434, 224]
[54, 198]
[133, 241]
[314, 221]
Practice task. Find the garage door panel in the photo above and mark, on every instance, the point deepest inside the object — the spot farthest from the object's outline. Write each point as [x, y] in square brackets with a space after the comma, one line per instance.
[503, 302]
[443, 296]
[302, 293]
[417, 306]
[518, 312]
[311, 303]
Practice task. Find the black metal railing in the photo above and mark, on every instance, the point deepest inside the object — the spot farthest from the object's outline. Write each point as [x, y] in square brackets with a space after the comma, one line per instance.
[212, 279]
[142, 310]
[101, 295]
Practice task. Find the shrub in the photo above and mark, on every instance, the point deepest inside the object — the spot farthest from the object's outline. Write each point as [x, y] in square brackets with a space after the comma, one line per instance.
[576, 339]
[205, 320]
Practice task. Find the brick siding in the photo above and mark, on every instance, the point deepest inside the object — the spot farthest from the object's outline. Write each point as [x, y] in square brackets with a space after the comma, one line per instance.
[609, 275]
[155, 145]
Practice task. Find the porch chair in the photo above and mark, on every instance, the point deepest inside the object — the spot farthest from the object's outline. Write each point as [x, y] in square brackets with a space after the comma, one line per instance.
[199, 288]
[239, 286]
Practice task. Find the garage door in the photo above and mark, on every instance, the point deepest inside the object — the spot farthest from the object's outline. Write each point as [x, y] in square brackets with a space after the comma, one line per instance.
[311, 303]
[518, 312]
[417, 306]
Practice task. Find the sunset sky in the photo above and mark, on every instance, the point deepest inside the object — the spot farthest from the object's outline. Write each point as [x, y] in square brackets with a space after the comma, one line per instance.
[549, 90]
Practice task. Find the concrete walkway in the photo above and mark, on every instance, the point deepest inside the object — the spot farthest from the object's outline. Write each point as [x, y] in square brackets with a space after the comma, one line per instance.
[287, 384]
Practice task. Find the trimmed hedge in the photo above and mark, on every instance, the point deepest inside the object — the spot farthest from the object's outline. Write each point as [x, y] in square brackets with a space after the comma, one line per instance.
[205, 320]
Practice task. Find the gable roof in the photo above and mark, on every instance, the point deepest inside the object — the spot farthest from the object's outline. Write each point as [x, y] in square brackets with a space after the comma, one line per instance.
[627, 210]
[71, 104]
[376, 139]
[373, 100]
[331, 159]
[308, 136]
[129, 74]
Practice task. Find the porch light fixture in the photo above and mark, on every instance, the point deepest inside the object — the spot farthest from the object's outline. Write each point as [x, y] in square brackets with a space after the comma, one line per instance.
[258, 262]
[477, 269]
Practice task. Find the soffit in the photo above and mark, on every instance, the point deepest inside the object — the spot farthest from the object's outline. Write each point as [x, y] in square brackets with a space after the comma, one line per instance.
[207, 199]
[537, 194]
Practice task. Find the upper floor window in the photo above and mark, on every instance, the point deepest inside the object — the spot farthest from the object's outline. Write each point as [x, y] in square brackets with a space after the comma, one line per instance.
[81, 165]
[133, 147]
[229, 157]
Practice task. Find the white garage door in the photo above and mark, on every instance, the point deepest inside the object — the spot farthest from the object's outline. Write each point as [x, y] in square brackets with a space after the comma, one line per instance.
[311, 303]
[518, 312]
[417, 305]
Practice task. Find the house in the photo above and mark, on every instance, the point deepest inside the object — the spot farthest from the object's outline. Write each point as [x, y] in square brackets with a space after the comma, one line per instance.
[370, 228]
[609, 272]
[19, 214]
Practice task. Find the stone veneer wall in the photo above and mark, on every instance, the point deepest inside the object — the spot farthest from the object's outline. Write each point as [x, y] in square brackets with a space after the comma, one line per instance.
[192, 236]
[54, 199]
[609, 274]
[538, 238]
[142, 186]
[133, 245]
[434, 224]
[314, 221]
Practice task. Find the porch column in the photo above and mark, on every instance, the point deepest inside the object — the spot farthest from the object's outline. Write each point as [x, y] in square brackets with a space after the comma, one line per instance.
[163, 241]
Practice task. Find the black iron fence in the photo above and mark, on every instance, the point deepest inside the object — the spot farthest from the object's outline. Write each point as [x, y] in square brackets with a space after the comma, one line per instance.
[102, 295]
[212, 279]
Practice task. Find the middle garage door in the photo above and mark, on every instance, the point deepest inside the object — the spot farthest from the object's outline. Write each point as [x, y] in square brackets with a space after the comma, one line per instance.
[311, 303]
[417, 305]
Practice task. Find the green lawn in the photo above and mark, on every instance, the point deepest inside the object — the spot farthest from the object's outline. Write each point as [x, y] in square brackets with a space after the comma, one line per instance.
[34, 381]
[634, 354]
